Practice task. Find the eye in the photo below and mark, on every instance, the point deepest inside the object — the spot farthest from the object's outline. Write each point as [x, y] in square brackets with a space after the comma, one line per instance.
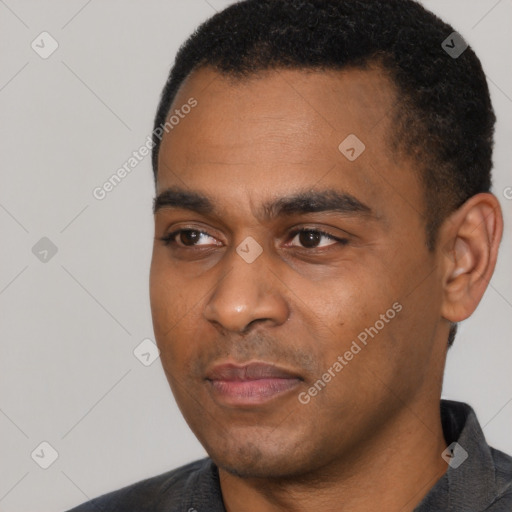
[315, 238]
[303, 238]
[188, 238]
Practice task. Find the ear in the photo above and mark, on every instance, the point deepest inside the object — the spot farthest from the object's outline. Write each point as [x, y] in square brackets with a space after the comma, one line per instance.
[469, 239]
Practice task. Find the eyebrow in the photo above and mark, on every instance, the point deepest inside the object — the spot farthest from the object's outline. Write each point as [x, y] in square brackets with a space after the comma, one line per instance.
[302, 202]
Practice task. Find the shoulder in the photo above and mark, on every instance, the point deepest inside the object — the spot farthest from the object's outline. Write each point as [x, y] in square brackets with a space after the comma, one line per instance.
[156, 493]
[503, 479]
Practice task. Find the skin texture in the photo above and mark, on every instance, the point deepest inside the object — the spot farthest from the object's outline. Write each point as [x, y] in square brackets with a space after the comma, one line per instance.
[371, 439]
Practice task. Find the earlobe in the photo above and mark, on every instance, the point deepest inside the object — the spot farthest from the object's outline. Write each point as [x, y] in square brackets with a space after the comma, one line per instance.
[471, 238]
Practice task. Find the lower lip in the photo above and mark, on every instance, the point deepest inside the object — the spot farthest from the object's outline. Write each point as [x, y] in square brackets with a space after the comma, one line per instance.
[251, 392]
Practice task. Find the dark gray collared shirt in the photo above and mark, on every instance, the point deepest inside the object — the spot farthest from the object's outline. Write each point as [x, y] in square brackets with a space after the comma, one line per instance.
[478, 479]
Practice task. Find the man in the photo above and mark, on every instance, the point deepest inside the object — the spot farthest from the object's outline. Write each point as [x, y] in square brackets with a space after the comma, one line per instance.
[322, 222]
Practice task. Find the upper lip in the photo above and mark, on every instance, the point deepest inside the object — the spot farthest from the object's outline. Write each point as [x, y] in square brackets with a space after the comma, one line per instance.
[249, 371]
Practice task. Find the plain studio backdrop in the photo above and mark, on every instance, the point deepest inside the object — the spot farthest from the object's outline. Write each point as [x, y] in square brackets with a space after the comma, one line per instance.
[74, 301]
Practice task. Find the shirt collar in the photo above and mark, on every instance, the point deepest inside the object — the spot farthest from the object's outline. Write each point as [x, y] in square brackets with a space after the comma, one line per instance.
[470, 485]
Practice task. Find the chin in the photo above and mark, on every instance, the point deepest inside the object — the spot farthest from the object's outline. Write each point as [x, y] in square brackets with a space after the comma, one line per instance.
[263, 469]
[276, 459]
[277, 470]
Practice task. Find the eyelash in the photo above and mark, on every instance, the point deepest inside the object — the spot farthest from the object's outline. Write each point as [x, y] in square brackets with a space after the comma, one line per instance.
[169, 239]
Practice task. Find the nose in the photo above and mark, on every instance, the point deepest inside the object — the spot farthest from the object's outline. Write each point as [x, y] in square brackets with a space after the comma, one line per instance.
[248, 293]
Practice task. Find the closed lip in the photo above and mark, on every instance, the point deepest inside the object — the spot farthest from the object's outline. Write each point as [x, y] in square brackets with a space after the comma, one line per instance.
[232, 372]
[251, 384]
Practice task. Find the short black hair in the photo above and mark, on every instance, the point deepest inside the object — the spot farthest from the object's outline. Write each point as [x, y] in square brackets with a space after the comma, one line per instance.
[443, 118]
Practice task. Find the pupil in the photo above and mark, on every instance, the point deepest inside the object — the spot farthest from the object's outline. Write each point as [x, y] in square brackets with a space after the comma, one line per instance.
[309, 238]
[189, 236]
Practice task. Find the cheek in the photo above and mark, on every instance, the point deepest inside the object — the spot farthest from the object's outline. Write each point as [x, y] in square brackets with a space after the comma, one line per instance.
[359, 319]
[349, 305]
[174, 309]
[170, 294]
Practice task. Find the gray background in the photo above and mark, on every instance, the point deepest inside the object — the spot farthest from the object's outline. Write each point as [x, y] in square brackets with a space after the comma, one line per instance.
[68, 375]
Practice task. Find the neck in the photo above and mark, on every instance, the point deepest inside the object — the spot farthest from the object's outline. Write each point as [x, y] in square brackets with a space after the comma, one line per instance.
[393, 471]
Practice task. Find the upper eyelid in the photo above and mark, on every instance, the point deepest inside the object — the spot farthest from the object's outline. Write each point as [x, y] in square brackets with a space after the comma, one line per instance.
[173, 234]
[293, 233]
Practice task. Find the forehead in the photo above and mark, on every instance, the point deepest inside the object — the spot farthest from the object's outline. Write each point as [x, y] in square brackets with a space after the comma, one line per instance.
[283, 128]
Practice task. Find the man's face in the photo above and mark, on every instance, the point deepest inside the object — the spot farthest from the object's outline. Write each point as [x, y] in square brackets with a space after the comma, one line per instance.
[251, 315]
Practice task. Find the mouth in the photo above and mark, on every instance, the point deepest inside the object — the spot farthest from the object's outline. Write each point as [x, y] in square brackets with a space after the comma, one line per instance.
[250, 384]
